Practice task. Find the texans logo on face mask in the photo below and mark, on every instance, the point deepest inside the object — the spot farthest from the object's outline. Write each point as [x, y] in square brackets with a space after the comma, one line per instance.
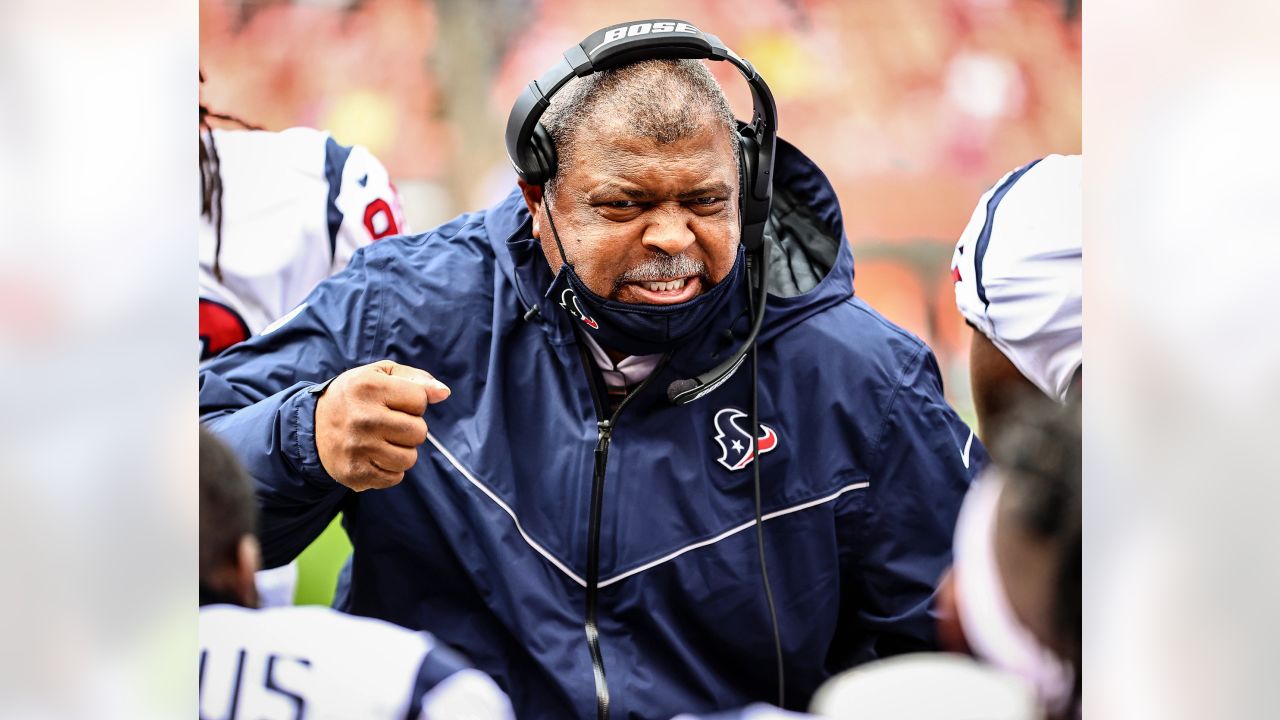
[735, 439]
[569, 302]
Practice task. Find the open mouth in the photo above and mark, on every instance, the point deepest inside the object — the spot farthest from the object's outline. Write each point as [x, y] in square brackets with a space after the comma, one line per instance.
[667, 286]
[662, 292]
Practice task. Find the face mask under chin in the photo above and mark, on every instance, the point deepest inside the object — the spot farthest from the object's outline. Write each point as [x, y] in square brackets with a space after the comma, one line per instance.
[638, 328]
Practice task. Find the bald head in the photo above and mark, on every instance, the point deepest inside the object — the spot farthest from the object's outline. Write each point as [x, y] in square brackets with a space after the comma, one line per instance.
[660, 100]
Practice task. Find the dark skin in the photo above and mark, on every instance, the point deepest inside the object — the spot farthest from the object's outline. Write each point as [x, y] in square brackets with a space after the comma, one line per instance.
[626, 200]
[233, 578]
[1025, 562]
[997, 384]
[1026, 569]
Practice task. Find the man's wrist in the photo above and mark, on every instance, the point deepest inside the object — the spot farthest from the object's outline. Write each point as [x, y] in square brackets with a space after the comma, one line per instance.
[301, 438]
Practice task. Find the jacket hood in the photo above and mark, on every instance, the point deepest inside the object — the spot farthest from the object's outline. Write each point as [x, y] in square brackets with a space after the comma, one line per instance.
[810, 262]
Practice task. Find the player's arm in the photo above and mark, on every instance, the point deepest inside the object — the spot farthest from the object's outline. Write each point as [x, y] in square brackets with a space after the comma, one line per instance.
[366, 202]
[896, 536]
[313, 413]
[260, 396]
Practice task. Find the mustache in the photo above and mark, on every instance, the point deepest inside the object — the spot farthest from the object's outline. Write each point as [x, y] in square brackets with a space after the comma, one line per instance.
[663, 267]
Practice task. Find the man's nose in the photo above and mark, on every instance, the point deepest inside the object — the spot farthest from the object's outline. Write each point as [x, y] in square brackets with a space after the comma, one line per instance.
[668, 232]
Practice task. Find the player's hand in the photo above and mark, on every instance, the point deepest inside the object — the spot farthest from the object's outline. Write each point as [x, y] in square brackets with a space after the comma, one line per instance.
[369, 423]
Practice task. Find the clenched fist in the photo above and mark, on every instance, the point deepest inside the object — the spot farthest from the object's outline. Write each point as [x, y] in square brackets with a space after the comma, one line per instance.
[369, 423]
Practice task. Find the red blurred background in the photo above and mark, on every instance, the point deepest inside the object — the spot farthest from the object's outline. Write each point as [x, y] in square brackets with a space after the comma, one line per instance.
[912, 107]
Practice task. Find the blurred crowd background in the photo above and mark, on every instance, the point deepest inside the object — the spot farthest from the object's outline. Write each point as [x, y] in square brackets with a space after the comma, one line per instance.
[913, 108]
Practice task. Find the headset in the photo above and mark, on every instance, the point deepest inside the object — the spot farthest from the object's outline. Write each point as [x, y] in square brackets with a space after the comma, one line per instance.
[533, 155]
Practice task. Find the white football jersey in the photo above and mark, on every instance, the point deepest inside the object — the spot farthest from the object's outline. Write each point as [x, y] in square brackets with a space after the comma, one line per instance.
[1017, 270]
[295, 206]
[317, 663]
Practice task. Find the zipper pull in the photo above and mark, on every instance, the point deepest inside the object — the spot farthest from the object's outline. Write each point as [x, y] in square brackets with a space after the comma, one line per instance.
[602, 447]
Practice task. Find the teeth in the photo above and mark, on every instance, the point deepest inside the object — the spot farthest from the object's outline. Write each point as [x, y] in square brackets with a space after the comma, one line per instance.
[664, 286]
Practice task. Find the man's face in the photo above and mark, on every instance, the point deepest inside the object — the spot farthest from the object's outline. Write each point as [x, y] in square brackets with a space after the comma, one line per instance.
[644, 222]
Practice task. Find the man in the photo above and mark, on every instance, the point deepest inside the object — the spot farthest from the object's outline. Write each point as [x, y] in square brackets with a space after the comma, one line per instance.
[280, 212]
[1013, 596]
[1017, 272]
[639, 595]
[308, 661]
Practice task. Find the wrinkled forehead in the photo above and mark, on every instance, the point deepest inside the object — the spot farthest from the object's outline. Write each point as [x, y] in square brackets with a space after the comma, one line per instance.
[617, 152]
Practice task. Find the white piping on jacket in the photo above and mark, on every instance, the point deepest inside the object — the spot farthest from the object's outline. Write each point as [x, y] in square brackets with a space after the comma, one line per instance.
[734, 530]
[649, 565]
[492, 496]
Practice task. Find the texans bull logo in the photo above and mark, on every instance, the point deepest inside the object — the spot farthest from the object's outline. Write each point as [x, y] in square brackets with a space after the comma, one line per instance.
[569, 302]
[735, 454]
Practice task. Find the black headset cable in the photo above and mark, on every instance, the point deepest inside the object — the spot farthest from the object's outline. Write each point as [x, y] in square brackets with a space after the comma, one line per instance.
[755, 471]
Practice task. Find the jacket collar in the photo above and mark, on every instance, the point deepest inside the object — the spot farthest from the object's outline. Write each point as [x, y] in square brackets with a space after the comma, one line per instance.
[520, 258]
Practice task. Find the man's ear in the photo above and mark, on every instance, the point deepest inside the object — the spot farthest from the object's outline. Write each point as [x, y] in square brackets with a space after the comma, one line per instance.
[533, 200]
[248, 560]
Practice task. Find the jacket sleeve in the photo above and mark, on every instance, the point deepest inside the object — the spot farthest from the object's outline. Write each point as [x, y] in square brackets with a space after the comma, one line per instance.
[896, 537]
[260, 397]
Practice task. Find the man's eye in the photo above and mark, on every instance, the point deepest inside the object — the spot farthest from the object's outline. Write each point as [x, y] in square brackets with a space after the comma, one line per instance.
[708, 200]
[622, 204]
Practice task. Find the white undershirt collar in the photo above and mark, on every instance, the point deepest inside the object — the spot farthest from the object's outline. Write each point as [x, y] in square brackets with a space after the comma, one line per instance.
[628, 372]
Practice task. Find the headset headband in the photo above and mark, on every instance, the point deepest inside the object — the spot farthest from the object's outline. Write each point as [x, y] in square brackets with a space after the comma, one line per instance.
[627, 43]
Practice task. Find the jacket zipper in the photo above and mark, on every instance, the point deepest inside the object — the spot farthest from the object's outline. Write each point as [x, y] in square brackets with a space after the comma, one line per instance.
[604, 428]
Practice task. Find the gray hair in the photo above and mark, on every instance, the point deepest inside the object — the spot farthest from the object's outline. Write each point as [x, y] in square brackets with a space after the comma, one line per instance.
[665, 100]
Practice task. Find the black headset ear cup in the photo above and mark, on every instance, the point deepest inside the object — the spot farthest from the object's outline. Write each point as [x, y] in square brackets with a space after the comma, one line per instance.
[748, 205]
[748, 158]
[543, 155]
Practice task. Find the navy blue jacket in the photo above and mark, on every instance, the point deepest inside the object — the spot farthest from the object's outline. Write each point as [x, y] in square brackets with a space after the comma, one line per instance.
[485, 542]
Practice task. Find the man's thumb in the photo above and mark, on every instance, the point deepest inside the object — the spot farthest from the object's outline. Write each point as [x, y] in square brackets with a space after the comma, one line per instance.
[436, 390]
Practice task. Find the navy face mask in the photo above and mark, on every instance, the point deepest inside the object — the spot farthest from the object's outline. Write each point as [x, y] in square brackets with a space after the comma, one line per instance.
[638, 329]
